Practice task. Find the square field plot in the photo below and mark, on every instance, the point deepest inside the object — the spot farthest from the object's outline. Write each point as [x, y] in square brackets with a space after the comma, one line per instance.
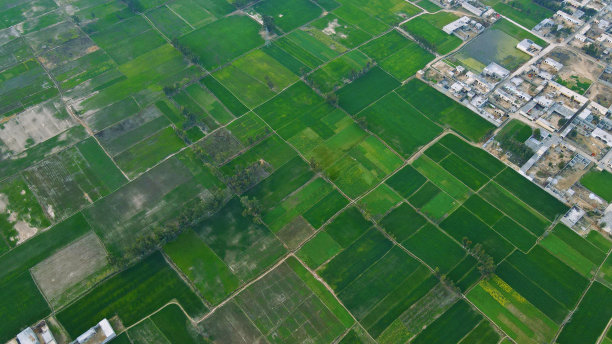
[255, 78]
[362, 92]
[287, 305]
[217, 43]
[70, 266]
[428, 29]
[288, 15]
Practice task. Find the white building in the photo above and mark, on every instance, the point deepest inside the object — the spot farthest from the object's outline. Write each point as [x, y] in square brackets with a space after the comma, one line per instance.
[27, 336]
[529, 47]
[569, 18]
[554, 64]
[457, 24]
[493, 69]
[102, 333]
[602, 135]
[471, 8]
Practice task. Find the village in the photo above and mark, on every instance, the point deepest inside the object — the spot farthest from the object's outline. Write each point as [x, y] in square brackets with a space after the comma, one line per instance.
[564, 89]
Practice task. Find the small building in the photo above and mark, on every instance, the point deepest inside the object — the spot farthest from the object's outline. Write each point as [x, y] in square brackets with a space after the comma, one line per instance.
[529, 47]
[602, 135]
[495, 70]
[573, 216]
[544, 23]
[473, 9]
[569, 18]
[457, 24]
[102, 333]
[27, 336]
[554, 64]
[603, 24]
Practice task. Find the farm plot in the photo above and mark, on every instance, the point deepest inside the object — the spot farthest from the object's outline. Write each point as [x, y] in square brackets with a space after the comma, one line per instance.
[526, 13]
[363, 267]
[390, 12]
[288, 15]
[21, 303]
[441, 109]
[13, 50]
[462, 224]
[147, 332]
[27, 255]
[359, 18]
[406, 181]
[573, 250]
[128, 39]
[435, 248]
[126, 214]
[432, 201]
[255, 78]
[306, 46]
[427, 29]
[132, 294]
[591, 318]
[363, 166]
[75, 72]
[216, 44]
[33, 127]
[379, 201]
[362, 92]
[441, 178]
[246, 247]
[397, 55]
[516, 209]
[286, 299]
[210, 275]
[168, 22]
[545, 270]
[66, 182]
[340, 30]
[599, 182]
[142, 78]
[512, 312]
[299, 202]
[339, 71]
[478, 158]
[200, 13]
[399, 124]
[224, 95]
[229, 324]
[59, 276]
[451, 326]
[494, 45]
[531, 194]
[19, 12]
[20, 212]
[402, 222]
[175, 326]
[347, 227]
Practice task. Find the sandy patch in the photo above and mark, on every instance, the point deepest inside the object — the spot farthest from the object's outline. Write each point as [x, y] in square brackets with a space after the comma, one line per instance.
[32, 126]
[25, 231]
[331, 27]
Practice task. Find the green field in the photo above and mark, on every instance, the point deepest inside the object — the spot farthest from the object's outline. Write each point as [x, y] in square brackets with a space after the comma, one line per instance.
[234, 171]
[138, 290]
[427, 28]
[598, 182]
[441, 109]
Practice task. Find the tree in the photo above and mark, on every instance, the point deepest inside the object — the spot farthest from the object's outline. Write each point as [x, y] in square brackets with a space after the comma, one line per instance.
[252, 207]
[268, 24]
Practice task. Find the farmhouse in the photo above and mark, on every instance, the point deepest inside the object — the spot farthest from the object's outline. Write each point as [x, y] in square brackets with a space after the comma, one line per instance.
[100, 334]
[495, 70]
[27, 336]
[569, 18]
[529, 47]
[471, 8]
[602, 135]
[457, 24]
[554, 64]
